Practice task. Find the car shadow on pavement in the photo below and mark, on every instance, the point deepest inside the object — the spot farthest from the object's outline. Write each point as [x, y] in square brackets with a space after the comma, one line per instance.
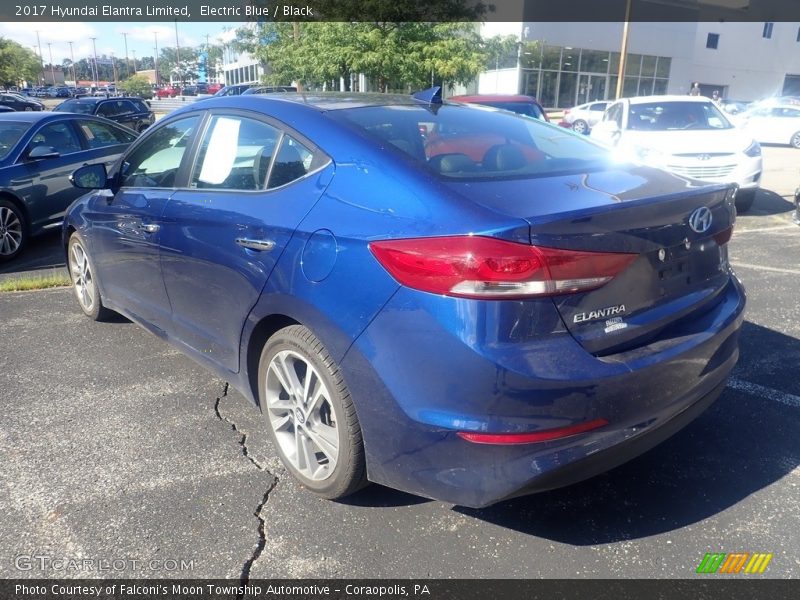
[742, 444]
[769, 203]
[43, 252]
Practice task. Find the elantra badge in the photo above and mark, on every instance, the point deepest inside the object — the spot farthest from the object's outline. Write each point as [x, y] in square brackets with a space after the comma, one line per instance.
[600, 313]
[700, 220]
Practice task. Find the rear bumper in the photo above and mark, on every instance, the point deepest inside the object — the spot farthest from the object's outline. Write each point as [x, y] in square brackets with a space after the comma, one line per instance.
[416, 385]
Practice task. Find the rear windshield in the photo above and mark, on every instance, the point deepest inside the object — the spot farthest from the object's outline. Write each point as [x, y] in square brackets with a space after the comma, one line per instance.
[10, 133]
[76, 106]
[470, 142]
[664, 116]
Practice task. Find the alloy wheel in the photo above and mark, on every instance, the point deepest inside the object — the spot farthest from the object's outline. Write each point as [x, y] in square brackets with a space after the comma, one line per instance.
[82, 277]
[10, 231]
[301, 415]
[579, 126]
[795, 141]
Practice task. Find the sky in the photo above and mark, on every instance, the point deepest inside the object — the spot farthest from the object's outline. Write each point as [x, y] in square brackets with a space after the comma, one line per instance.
[110, 39]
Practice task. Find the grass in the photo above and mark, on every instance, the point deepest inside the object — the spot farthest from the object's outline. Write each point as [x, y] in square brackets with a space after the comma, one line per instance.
[25, 283]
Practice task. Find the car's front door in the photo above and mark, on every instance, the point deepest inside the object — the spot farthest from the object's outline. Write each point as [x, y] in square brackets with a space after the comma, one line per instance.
[250, 186]
[127, 224]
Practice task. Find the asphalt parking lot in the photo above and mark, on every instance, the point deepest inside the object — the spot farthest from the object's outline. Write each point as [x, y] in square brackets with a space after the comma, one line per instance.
[118, 448]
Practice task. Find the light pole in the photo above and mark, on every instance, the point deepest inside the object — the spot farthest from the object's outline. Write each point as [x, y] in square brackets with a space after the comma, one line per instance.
[155, 58]
[41, 54]
[114, 70]
[72, 58]
[134, 62]
[52, 70]
[127, 63]
[178, 53]
[94, 71]
[623, 52]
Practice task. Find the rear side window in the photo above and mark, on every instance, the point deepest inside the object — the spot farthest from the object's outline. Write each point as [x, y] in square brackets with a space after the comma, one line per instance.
[99, 134]
[292, 162]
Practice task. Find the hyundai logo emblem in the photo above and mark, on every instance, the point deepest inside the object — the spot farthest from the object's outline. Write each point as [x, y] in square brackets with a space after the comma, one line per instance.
[700, 219]
[703, 156]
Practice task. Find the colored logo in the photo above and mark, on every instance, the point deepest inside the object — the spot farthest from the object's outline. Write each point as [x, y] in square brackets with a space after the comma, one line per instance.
[734, 563]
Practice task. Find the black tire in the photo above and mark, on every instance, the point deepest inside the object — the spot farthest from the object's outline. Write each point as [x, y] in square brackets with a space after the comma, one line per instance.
[88, 295]
[349, 473]
[580, 126]
[794, 142]
[744, 200]
[13, 230]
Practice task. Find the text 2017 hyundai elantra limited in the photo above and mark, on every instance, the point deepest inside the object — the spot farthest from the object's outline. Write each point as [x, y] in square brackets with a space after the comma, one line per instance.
[468, 328]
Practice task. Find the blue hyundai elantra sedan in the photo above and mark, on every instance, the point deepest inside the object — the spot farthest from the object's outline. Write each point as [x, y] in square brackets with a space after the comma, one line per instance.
[445, 299]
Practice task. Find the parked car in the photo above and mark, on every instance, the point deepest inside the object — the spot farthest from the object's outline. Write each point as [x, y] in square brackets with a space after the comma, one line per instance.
[38, 152]
[6, 109]
[168, 91]
[269, 89]
[773, 124]
[459, 330]
[583, 117]
[733, 107]
[234, 90]
[213, 88]
[17, 102]
[195, 89]
[687, 135]
[520, 104]
[128, 111]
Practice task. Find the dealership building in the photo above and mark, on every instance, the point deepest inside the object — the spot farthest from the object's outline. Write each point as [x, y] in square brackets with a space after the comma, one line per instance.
[565, 64]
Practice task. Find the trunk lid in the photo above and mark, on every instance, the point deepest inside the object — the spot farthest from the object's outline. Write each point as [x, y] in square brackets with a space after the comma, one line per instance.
[679, 270]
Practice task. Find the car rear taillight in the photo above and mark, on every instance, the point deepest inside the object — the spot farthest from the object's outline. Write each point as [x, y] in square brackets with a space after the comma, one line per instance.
[482, 267]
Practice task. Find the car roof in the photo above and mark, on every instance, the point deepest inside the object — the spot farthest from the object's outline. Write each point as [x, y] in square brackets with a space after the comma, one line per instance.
[666, 98]
[321, 101]
[477, 98]
[34, 117]
[96, 99]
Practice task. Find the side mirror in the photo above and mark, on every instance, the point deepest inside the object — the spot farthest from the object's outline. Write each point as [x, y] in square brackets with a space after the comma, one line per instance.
[90, 177]
[42, 152]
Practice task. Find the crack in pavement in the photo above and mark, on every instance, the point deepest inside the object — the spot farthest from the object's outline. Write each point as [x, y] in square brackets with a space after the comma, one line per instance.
[244, 577]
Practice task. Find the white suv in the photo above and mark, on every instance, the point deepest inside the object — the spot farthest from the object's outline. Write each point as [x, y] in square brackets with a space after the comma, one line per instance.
[686, 135]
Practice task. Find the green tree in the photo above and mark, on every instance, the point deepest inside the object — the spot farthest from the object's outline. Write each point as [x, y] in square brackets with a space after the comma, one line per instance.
[17, 64]
[137, 85]
[392, 55]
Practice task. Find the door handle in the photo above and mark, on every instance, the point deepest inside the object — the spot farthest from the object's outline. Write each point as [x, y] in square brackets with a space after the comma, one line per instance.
[148, 227]
[259, 245]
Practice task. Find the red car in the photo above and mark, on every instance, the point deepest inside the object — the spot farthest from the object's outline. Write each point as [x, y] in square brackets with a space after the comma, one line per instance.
[518, 103]
[213, 88]
[168, 92]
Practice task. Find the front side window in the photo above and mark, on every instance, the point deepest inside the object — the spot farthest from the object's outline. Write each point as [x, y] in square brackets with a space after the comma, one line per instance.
[712, 41]
[59, 136]
[235, 154]
[155, 162]
[767, 31]
[99, 134]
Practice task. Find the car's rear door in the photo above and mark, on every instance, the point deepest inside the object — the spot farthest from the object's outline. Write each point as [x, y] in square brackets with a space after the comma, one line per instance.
[250, 186]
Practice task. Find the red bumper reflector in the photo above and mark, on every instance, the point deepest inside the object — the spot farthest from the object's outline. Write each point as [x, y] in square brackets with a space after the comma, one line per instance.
[533, 437]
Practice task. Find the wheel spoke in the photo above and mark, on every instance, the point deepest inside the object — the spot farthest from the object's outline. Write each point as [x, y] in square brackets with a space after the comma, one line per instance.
[282, 423]
[327, 443]
[320, 394]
